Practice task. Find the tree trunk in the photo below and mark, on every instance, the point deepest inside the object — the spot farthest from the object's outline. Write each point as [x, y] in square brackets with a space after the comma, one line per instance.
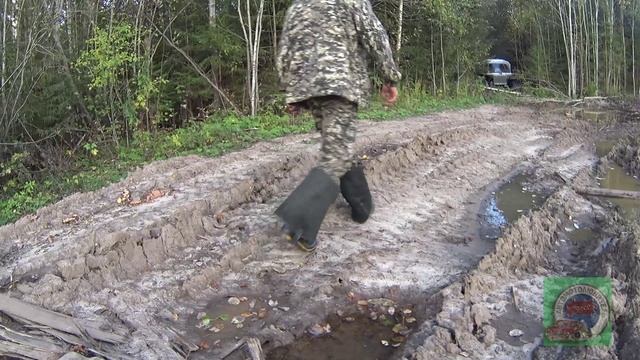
[400, 14]
[597, 49]
[444, 78]
[274, 31]
[253, 48]
[433, 67]
[65, 60]
[212, 12]
[4, 51]
[633, 45]
[624, 51]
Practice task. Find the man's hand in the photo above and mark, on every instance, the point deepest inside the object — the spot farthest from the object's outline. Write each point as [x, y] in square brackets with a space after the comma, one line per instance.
[389, 94]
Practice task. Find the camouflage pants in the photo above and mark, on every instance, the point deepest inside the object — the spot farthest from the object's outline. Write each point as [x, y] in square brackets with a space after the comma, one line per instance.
[336, 118]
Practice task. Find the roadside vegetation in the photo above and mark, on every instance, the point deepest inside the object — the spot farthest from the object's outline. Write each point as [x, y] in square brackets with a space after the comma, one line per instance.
[91, 90]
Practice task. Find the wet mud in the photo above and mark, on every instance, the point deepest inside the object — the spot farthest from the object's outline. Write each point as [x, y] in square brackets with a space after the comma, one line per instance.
[203, 266]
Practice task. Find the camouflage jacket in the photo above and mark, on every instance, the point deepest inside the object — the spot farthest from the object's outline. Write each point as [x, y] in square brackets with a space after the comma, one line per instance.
[324, 50]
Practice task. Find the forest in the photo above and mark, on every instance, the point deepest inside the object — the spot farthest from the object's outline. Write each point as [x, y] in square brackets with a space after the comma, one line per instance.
[90, 89]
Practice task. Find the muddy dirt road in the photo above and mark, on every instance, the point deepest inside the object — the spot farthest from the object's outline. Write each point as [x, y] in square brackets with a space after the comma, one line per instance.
[188, 259]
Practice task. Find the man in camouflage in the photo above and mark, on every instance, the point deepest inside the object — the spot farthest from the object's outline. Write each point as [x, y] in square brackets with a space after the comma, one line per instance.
[322, 64]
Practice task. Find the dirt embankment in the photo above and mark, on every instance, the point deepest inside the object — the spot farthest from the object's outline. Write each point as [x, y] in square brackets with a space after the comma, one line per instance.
[568, 236]
[627, 154]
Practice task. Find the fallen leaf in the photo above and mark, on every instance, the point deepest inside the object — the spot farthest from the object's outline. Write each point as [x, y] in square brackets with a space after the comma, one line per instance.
[400, 329]
[411, 320]
[363, 302]
[155, 194]
[124, 198]
[247, 314]
[215, 329]
[71, 219]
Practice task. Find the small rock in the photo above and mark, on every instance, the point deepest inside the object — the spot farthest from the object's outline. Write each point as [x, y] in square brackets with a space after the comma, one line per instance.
[407, 311]
[243, 299]
[349, 319]
[373, 315]
[262, 313]
[516, 333]
[384, 342]
[237, 320]
[252, 304]
[340, 313]
[234, 301]
[363, 302]
[489, 334]
[410, 320]
[201, 315]
[273, 303]
[284, 308]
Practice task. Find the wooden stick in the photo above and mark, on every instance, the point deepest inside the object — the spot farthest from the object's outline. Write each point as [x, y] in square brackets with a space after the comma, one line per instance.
[626, 194]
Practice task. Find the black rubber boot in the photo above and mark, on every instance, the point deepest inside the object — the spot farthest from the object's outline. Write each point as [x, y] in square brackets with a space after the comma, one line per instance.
[304, 210]
[355, 189]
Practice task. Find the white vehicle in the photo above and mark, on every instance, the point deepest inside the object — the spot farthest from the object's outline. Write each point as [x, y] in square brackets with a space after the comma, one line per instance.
[497, 72]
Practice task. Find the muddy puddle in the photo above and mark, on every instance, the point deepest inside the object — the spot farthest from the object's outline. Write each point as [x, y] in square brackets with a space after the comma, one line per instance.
[377, 330]
[356, 338]
[618, 179]
[507, 204]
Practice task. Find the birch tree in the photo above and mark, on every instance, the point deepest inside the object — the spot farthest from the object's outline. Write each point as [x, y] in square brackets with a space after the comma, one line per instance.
[252, 33]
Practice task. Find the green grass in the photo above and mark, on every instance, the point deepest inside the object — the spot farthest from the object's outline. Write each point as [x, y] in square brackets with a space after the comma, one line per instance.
[211, 138]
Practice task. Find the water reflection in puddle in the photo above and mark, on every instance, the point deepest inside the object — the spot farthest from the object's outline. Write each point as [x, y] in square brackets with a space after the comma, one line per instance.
[617, 179]
[507, 205]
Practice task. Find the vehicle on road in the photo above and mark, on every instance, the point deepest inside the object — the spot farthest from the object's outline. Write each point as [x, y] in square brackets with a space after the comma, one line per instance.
[497, 72]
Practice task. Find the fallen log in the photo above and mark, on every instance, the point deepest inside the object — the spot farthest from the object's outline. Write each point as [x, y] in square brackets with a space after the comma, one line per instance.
[502, 91]
[19, 309]
[624, 194]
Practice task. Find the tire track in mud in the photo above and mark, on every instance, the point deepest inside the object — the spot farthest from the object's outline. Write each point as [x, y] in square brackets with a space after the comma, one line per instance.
[343, 260]
[150, 255]
[505, 290]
